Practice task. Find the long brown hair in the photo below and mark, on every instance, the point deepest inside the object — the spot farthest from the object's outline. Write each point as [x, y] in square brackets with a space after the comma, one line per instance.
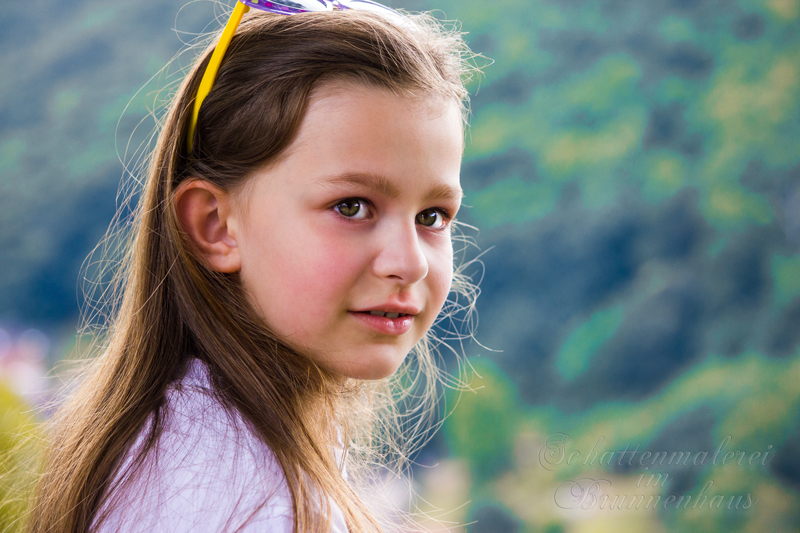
[173, 308]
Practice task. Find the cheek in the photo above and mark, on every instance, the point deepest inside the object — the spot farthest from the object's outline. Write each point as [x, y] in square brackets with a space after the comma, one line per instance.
[304, 281]
[324, 278]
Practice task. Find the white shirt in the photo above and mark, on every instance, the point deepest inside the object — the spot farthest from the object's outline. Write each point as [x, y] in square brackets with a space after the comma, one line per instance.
[207, 472]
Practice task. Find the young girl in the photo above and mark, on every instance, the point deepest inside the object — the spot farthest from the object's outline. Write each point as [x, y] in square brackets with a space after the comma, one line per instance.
[292, 246]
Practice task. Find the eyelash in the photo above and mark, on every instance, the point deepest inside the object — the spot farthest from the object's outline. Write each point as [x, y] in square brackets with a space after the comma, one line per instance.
[367, 204]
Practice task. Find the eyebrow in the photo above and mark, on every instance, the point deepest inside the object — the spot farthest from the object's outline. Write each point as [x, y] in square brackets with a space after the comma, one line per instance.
[384, 186]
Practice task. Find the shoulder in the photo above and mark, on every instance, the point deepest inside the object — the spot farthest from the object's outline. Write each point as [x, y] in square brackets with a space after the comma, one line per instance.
[207, 471]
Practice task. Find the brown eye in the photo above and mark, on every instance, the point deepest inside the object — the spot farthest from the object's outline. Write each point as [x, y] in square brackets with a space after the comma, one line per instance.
[431, 218]
[352, 208]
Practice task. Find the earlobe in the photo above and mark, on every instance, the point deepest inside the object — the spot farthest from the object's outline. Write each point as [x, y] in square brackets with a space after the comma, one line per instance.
[204, 212]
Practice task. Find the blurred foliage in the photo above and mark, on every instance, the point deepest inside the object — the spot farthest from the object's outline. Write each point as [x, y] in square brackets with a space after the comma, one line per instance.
[17, 429]
[635, 167]
[495, 406]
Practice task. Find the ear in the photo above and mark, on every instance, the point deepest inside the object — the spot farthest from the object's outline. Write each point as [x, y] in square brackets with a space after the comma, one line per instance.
[205, 213]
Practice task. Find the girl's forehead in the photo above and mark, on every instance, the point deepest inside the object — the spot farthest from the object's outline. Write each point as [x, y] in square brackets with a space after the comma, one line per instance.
[347, 111]
[357, 119]
[342, 91]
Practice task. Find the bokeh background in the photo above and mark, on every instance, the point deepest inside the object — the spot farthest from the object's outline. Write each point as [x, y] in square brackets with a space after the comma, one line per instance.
[634, 170]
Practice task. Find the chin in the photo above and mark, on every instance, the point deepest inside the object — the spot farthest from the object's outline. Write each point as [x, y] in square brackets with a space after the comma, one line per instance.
[378, 368]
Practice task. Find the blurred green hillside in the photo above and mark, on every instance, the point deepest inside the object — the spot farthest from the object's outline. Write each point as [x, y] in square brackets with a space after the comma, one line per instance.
[635, 167]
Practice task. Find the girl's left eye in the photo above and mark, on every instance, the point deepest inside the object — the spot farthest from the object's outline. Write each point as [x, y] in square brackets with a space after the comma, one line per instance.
[432, 218]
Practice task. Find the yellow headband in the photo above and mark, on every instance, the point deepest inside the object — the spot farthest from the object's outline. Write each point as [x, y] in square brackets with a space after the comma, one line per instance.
[213, 66]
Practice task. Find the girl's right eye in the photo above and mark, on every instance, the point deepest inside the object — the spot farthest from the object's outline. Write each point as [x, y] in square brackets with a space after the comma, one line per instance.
[353, 208]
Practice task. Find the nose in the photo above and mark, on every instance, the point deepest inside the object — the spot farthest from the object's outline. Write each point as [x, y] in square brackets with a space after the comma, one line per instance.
[401, 256]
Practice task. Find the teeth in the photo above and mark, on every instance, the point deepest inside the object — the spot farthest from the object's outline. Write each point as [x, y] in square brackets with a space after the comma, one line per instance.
[387, 315]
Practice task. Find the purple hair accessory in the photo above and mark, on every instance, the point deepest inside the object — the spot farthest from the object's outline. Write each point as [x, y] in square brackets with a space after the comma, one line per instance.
[291, 7]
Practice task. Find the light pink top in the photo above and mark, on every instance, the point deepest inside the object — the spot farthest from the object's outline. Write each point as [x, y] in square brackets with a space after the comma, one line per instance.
[207, 472]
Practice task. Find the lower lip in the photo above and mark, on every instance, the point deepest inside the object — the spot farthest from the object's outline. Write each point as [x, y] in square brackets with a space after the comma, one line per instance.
[387, 326]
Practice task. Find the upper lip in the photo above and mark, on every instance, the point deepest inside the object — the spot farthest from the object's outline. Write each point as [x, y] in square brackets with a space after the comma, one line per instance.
[404, 309]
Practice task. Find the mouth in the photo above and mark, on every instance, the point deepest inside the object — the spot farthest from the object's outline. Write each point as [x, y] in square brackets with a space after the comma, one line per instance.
[385, 322]
[385, 314]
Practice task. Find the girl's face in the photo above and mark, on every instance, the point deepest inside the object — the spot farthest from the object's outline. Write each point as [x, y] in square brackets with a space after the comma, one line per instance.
[355, 218]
